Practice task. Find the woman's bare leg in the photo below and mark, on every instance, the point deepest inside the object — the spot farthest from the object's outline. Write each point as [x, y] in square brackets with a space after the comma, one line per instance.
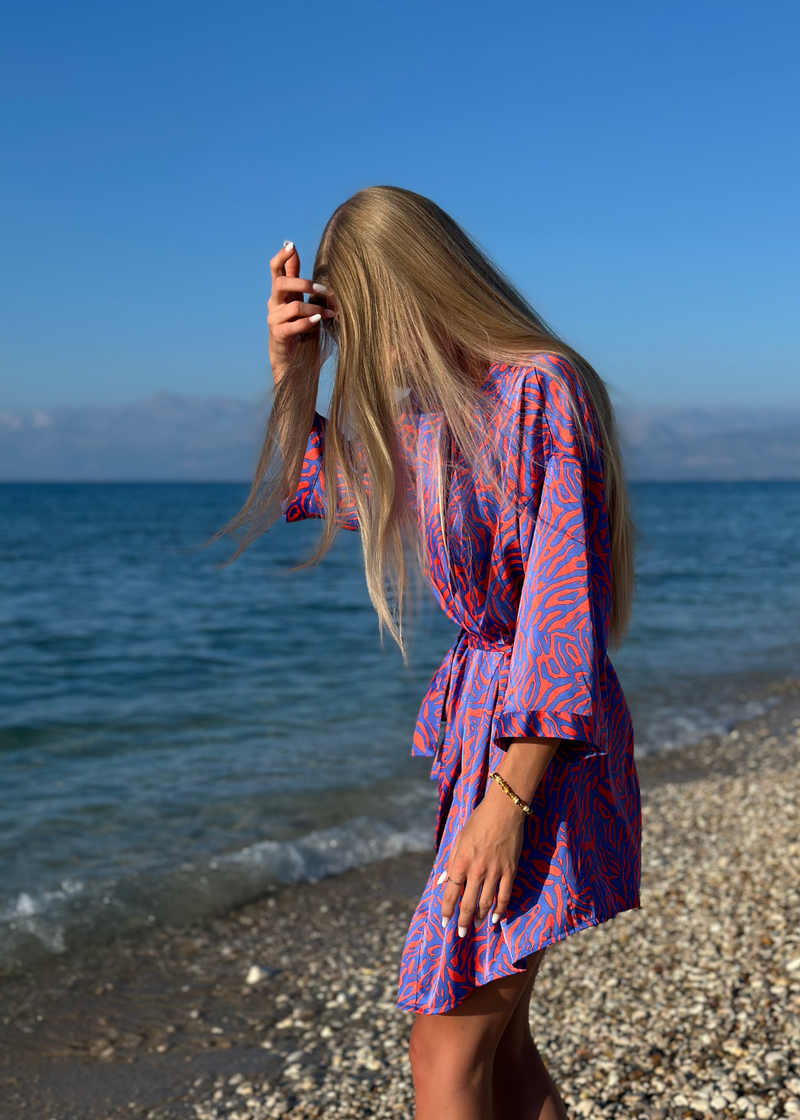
[522, 1089]
[453, 1055]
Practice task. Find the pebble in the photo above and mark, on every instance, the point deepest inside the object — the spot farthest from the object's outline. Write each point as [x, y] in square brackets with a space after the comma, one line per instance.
[689, 1007]
[255, 975]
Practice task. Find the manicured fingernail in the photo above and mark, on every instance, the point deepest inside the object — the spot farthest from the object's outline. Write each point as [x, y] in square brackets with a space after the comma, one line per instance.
[320, 289]
[288, 246]
[462, 931]
[495, 919]
[315, 318]
[441, 879]
[444, 922]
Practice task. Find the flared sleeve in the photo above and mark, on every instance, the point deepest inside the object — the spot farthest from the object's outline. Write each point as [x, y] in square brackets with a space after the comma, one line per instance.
[309, 498]
[557, 674]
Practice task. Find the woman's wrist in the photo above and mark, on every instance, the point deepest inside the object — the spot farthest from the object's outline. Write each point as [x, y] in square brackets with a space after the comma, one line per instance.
[524, 764]
[502, 804]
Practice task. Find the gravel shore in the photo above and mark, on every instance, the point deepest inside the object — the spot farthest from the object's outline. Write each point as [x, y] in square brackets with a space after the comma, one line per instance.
[688, 1007]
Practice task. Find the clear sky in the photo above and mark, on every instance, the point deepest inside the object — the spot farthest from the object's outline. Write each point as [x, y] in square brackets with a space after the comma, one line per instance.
[632, 165]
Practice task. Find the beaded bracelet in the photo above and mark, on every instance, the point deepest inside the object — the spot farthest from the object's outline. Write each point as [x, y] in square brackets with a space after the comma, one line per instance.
[506, 788]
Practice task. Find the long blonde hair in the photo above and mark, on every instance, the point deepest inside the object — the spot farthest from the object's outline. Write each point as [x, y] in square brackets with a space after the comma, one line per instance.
[420, 309]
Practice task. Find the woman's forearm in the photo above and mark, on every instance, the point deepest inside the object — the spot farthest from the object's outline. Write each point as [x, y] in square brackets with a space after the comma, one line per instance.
[524, 764]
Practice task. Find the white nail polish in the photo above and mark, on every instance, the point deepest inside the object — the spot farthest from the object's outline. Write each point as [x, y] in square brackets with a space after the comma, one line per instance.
[441, 879]
[495, 919]
[320, 289]
[288, 245]
[444, 922]
[462, 931]
[315, 318]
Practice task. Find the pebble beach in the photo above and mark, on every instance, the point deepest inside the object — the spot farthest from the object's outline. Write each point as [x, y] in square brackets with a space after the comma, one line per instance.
[688, 1007]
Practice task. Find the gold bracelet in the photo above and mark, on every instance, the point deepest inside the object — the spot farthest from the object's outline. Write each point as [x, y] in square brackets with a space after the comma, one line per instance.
[506, 788]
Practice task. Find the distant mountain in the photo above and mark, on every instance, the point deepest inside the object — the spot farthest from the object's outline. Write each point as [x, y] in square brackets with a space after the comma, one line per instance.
[712, 444]
[170, 437]
[166, 437]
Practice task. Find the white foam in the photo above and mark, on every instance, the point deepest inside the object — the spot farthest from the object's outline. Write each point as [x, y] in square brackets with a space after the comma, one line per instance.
[670, 729]
[328, 851]
[49, 922]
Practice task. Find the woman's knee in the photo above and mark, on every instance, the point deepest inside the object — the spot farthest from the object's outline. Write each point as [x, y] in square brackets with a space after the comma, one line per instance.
[441, 1059]
[418, 1054]
[426, 1056]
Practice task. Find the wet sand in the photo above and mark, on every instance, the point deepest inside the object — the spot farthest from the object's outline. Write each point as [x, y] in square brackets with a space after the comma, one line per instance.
[688, 1007]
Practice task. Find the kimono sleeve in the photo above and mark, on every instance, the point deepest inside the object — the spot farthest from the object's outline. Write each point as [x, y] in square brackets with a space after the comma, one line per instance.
[309, 498]
[556, 677]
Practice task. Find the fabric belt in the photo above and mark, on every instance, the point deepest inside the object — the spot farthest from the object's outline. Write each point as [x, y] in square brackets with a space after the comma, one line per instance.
[503, 643]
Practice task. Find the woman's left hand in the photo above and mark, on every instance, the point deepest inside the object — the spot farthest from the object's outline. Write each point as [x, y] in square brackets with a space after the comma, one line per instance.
[483, 861]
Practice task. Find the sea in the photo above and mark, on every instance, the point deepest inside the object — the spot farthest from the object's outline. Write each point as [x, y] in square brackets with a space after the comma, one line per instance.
[179, 735]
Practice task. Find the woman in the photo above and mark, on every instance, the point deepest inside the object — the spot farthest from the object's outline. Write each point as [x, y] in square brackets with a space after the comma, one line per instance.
[465, 438]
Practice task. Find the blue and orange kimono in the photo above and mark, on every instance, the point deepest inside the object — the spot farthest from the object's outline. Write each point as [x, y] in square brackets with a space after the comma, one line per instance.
[525, 575]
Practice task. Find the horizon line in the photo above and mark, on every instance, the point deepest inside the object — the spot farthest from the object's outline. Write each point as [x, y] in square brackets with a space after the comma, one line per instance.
[248, 481]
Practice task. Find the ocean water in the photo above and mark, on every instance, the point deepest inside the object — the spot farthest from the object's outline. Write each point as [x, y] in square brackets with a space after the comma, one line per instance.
[177, 736]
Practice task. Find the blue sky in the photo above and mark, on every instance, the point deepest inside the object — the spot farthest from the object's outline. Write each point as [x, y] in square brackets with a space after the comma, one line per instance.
[633, 166]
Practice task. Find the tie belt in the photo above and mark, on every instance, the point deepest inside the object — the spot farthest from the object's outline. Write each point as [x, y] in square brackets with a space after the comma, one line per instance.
[502, 643]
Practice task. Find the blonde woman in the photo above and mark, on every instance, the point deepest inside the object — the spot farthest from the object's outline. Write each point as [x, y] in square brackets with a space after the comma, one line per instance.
[465, 438]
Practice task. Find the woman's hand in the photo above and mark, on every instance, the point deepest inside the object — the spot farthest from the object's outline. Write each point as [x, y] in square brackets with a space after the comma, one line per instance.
[483, 862]
[288, 315]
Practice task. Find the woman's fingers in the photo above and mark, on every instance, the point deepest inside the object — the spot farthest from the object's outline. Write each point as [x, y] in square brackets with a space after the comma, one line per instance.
[487, 897]
[292, 265]
[298, 324]
[285, 312]
[503, 897]
[288, 316]
[468, 905]
[452, 891]
[284, 288]
[289, 319]
[277, 265]
[479, 892]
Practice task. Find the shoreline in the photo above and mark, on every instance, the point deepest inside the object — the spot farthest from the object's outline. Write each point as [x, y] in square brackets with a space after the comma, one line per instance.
[165, 1026]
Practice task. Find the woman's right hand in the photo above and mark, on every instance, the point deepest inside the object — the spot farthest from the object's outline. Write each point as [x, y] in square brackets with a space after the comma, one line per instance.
[287, 314]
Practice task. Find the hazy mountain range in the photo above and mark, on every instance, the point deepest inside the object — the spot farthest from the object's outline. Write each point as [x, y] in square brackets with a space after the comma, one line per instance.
[170, 437]
[166, 437]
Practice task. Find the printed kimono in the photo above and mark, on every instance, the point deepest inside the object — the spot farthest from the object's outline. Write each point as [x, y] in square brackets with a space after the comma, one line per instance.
[525, 575]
